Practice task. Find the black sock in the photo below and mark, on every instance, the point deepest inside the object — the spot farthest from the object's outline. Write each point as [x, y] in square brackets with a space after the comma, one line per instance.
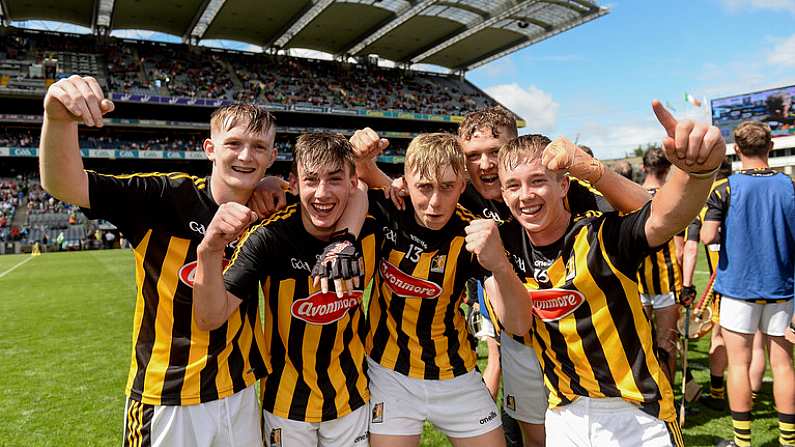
[716, 387]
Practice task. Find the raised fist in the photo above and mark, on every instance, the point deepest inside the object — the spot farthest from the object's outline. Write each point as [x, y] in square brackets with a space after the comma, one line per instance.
[78, 99]
[229, 222]
[367, 144]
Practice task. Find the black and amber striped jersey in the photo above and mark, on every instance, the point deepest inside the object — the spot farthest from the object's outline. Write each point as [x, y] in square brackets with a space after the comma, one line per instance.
[591, 335]
[580, 199]
[315, 340]
[660, 273]
[416, 324]
[483, 208]
[173, 361]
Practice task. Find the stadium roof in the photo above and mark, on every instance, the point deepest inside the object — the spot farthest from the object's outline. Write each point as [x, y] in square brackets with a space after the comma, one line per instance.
[457, 34]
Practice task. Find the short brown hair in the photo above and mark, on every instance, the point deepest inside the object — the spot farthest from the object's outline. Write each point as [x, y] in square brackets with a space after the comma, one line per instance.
[322, 150]
[496, 119]
[526, 148]
[753, 138]
[428, 153]
[655, 162]
[227, 117]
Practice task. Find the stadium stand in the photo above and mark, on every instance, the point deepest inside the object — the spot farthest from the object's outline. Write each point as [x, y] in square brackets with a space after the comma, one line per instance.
[195, 72]
[164, 93]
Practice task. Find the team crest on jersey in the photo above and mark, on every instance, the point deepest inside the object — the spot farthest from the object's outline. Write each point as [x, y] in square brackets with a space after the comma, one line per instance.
[378, 413]
[324, 308]
[554, 304]
[571, 269]
[407, 285]
[187, 273]
[437, 263]
[276, 437]
[510, 402]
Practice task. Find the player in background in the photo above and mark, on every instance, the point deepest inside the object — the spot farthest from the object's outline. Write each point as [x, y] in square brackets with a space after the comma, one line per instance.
[752, 214]
[660, 275]
[716, 399]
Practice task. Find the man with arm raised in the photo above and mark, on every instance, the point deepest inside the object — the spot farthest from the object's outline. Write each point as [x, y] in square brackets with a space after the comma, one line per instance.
[592, 338]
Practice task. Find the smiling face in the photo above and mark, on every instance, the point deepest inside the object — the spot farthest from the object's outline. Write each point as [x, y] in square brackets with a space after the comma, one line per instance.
[240, 156]
[324, 194]
[535, 197]
[480, 151]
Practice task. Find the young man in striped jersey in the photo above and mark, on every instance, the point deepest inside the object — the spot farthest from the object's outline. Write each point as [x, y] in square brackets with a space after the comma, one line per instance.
[592, 338]
[716, 399]
[481, 134]
[182, 377]
[316, 393]
[421, 361]
[752, 214]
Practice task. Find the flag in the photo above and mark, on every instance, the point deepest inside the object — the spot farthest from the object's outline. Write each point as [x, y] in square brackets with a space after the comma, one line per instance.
[60, 238]
[692, 100]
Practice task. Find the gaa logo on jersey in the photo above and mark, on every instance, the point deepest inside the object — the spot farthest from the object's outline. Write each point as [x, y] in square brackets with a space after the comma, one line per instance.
[407, 285]
[325, 308]
[554, 304]
[187, 273]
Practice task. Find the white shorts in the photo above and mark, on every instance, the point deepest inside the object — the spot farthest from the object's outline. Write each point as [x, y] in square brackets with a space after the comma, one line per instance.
[460, 407]
[746, 317]
[658, 301]
[608, 422]
[347, 431]
[524, 393]
[232, 421]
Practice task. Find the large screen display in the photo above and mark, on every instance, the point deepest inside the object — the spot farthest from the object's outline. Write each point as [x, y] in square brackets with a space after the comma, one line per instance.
[773, 107]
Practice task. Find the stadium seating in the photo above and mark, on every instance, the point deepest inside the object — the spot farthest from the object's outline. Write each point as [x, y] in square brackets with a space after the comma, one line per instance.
[199, 72]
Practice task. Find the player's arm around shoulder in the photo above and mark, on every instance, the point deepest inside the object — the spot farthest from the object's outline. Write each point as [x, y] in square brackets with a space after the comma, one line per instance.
[67, 103]
[696, 150]
[212, 304]
[623, 194]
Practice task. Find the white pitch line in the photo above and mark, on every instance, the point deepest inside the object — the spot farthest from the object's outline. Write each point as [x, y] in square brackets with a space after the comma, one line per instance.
[19, 264]
[702, 272]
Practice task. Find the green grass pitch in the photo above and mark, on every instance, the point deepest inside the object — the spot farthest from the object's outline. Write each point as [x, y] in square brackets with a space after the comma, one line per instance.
[65, 353]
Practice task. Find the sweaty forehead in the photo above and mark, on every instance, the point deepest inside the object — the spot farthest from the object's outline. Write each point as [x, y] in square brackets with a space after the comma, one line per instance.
[240, 129]
[444, 174]
[309, 168]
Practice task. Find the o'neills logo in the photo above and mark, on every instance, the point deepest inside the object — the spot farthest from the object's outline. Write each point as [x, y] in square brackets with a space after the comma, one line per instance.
[324, 308]
[554, 304]
[407, 285]
[187, 273]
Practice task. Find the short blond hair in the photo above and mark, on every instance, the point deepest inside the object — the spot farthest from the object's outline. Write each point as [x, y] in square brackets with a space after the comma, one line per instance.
[226, 117]
[429, 153]
[526, 148]
[753, 138]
